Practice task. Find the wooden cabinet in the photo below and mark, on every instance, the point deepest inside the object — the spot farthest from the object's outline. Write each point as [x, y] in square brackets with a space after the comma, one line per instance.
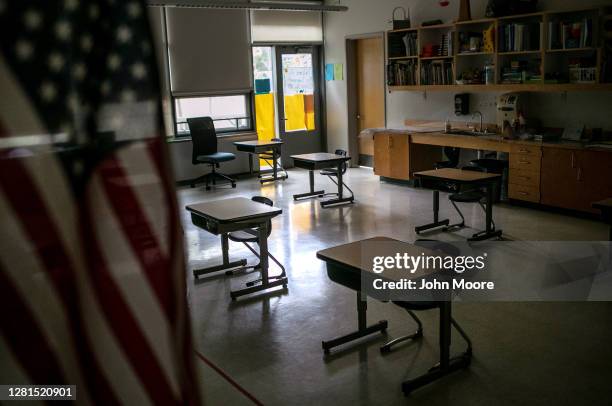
[391, 154]
[395, 157]
[524, 173]
[574, 179]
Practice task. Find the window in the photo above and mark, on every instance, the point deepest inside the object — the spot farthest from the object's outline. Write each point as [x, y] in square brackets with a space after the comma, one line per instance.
[229, 113]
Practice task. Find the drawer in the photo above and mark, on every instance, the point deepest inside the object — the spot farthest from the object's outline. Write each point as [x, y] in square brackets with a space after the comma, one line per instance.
[524, 177]
[526, 150]
[525, 193]
[525, 162]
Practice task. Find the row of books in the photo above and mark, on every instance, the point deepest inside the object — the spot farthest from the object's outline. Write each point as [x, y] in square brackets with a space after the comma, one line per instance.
[402, 73]
[520, 37]
[446, 44]
[437, 73]
[521, 72]
[568, 35]
[410, 43]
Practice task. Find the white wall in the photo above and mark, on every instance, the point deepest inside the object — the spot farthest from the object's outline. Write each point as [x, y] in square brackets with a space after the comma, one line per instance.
[368, 16]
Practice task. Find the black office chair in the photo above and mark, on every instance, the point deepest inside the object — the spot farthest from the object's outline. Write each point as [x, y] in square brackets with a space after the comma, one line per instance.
[452, 154]
[332, 174]
[411, 307]
[251, 235]
[476, 195]
[494, 165]
[269, 158]
[204, 151]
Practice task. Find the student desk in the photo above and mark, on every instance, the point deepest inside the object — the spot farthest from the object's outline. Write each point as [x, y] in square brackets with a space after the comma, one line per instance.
[344, 266]
[234, 214]
[322, 160]
[606, 212]
[263, 147]
[461, 177]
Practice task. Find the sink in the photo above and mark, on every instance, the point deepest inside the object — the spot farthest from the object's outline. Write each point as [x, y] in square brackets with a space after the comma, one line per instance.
[465, 132]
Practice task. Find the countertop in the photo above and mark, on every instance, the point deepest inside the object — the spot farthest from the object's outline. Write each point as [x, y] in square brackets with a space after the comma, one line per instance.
[436, 130]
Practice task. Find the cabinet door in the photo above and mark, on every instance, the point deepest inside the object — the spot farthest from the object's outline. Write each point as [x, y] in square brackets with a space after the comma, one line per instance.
[595, 175]
[560, 185]
[398, 156]
[382, 165]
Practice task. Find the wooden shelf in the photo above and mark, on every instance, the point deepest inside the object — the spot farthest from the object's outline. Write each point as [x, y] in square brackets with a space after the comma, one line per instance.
[591, 49]
[430, 58]
[437, 26]
[521, 16]
[520, 52]
[403, 30]
[399, 58]
[480, 21]
[562, 87]
[475, 53]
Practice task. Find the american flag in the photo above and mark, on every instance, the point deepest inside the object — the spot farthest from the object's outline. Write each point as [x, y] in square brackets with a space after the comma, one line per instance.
[92, 281]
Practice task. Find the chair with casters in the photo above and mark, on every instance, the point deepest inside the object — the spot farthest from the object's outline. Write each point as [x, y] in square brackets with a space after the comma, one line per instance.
[269, 158]
[205, 151]
[251, 236]
[476, 195]
[332, 174]
[453, 158]
[412, 307]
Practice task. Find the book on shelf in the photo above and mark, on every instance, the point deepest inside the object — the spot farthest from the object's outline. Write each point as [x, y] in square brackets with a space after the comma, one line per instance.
[446, 44]
[410, 44]
[402, 73]
[520, 37]
[570, 34]
[437, 73]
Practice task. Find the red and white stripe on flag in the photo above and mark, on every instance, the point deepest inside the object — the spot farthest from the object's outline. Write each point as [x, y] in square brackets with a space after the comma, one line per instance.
[92, 284]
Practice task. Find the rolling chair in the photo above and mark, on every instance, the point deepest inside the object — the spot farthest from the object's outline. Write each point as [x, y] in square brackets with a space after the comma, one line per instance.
[332, 174]
[494, 165]
[251, 236]
[468, 196]
[452, 154]
[269, 158]
[411, 307]
[204, 151]
[453, 158]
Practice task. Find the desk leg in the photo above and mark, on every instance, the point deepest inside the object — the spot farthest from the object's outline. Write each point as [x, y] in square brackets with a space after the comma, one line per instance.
[436, 222]
[251, 164]
[263, 266]
[312, 192]
[489, 232]
[226, 266]
[447, 364]
[341, 199]
[363, 329]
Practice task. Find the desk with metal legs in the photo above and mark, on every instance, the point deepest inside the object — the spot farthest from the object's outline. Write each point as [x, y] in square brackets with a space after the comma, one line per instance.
[322, 160]
[345, 266]
[461, 177]
[221, 217]
[258, 147]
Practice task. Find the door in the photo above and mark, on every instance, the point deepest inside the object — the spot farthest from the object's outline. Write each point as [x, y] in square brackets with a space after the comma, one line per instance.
[560, 178]
[299, 100]
[370, 74]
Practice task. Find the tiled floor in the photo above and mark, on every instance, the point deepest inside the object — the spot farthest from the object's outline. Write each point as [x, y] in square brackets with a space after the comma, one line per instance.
[524, 353]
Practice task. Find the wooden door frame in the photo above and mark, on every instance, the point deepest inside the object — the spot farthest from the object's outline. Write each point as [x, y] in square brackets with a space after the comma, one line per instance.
[351, 88]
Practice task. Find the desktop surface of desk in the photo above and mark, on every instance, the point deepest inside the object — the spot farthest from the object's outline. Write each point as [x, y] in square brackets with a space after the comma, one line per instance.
[232, 210]
[457, 175]
[318, 160]
[256, 146]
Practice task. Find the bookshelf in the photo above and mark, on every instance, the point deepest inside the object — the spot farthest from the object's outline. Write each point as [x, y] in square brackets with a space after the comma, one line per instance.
[550, 51]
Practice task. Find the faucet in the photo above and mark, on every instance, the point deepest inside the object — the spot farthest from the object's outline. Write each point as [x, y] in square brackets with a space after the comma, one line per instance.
[480, 114]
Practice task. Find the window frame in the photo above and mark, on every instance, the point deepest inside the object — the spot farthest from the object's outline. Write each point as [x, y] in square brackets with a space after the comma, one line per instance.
[248, 98]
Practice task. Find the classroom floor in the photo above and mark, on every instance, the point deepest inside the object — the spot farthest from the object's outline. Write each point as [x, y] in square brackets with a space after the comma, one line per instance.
[524, 353]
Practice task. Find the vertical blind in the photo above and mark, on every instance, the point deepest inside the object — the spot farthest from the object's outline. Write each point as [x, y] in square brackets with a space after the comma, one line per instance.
[209, 51]
[272, 26]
